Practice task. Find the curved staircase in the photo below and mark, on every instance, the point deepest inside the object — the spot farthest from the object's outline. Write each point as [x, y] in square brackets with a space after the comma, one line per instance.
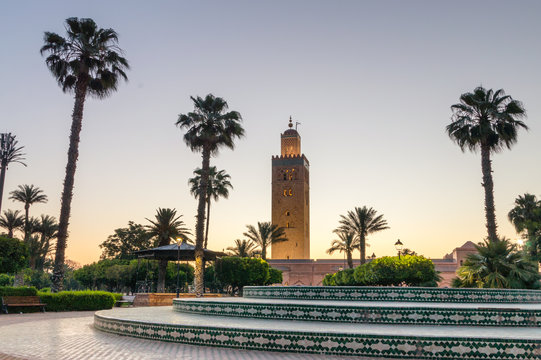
[380, 322]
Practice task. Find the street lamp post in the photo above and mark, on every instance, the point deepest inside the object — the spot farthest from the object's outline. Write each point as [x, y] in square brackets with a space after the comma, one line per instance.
[179, 241]
[398, 245]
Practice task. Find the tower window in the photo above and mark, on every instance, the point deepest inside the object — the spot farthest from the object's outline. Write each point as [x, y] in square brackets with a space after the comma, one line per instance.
[287, 225]
[288, 213]
[285, 176]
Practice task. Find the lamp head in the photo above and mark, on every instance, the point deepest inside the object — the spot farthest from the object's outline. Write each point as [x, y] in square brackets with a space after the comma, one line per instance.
[398, 245]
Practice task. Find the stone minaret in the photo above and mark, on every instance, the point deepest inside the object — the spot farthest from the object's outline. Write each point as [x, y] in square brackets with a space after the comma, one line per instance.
[291, 198]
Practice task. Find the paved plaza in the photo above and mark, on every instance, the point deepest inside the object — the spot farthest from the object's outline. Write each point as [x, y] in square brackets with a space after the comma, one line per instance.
[71, 335]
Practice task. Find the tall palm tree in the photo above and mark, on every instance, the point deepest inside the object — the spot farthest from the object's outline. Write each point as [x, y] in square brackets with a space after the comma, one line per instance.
[28, 195]
[167, 226]
[347, 242]
[264, 235]
[208, 128]
[9, 153]
[11, 220]
[243, 248]
[498, 264]
[526, 217]
[218, 186]
[488, 121]
[362, 222]
[86, 62]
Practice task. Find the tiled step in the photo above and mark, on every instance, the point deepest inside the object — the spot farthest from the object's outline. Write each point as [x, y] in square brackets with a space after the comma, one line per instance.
[468, 314]
[370, 340]
[410, 294]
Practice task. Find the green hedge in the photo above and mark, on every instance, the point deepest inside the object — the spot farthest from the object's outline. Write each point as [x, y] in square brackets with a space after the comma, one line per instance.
[18, 291]
[409, 270]
[78, 300]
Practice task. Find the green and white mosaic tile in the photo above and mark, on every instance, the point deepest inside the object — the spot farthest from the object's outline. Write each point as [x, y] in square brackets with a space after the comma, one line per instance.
[364, 314]
[410, 294]
[321, 342]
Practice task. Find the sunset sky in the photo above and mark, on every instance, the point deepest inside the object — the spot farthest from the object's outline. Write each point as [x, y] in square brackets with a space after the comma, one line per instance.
[371, 83]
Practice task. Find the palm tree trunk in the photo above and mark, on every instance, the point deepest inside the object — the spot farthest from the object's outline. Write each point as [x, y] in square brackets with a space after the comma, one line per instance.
[199, 227]
[162, 270]
[67, 192]
[26, 216]
[2, 179]
[10, 233]
[207, 226]
[362, 248]
[488, 184]
[350, 259]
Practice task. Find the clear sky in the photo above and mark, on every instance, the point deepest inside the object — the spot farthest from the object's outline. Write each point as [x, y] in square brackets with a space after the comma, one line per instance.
[371, 82]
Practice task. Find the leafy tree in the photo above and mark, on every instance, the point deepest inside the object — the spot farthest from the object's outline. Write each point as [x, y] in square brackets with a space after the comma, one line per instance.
[125, 241]
[236, 272]
[218, 186]
[87, 61]
[11, 221]
[526, 217]
[347, 242]
[488, 121]
[407, 251]
[208, 128]
[362, 222]
[40, 244]
[264, 235]
[10, 153]
[275, 276]
[242, 248]
[28, 195]
[167, 226]
[498, 264]
[13, 255]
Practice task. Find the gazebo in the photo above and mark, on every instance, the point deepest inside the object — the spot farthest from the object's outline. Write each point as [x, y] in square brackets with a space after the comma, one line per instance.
[177, 252]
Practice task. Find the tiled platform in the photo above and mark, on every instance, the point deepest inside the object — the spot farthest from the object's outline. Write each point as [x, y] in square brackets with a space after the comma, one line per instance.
[387, 341]
[403, 294]
[476, 314]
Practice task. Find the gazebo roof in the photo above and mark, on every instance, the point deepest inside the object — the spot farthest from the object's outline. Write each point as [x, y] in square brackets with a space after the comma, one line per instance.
[173, 251]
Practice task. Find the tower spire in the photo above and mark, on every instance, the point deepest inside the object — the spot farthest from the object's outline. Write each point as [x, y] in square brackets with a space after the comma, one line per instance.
[290, 122]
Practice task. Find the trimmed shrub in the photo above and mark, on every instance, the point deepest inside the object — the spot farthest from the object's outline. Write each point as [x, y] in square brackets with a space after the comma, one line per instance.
[328, 280]
[6, 280]
[18, 291]
[78, 300]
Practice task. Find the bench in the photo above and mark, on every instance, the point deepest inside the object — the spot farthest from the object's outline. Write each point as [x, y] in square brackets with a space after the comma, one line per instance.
[125, 300]
[21, 301]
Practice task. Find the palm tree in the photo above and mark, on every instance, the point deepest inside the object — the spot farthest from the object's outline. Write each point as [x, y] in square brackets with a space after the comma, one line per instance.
[167, 226]
[208, 128]
[264, 235]
[488, 121]
[87, 61]
[362, 222]
[28, 195]
[498, 264]
[218, 186]
[242, 248]
[9, 153]
[11, 220]
[347, 242]
[526, 217]
[47, 230]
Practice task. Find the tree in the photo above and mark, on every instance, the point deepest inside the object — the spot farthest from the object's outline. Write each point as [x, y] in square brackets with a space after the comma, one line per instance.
[28, 195]
[526, 217]
[13, 255]
[9, 153]
[362, 222]
[237, 272]
[242, 248]
[347, 242]
[264, 235]
[167, 226]
[218, 186]
[87, 62]
[11, 220]
[46, 229]
[488, 121]
[125, 242]
[209, 128]
[498, 264]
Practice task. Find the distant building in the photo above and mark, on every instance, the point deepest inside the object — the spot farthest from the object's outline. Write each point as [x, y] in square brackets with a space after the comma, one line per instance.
[312, 272]
[291, 198]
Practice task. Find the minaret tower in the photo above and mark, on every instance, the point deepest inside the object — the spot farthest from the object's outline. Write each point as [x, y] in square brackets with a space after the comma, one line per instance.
[291, 197]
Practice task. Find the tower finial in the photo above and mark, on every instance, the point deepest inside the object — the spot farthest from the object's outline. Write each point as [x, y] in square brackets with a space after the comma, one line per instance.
[290, 122]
